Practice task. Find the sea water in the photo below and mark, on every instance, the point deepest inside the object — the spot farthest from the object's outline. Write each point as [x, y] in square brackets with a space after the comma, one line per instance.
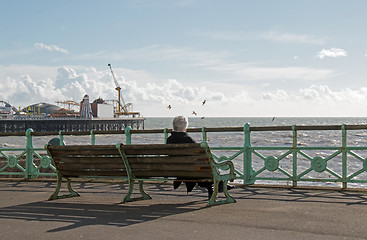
[225, 139]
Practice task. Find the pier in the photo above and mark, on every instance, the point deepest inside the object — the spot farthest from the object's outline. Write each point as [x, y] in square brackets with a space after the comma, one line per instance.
[69, 124]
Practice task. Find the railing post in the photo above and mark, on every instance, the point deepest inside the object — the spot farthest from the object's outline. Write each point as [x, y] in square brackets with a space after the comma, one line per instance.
[344, 156]
[294, 131]
[165, 135]
[247, 157]
[61, 137]
[29, 154]
[204, 134]
[128, 135]
[93, 137]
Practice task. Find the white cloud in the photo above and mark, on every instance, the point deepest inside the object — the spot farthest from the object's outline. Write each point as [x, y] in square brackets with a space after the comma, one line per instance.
[173, 92]
[25, 91]
[318, 94]
[51, 48]
[312, 101]
[39, 85]
[323, 93]
[250, 73]
[333, 52]
[278, 95]
[74, 82]
[152, 98]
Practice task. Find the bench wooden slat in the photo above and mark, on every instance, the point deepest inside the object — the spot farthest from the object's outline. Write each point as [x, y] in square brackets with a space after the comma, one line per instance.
[176, 173]
[81, 152]
[82, 147]
[145, 174]
[193, 146]
[163, 149]
[80, 173]
[180, 175]
[181, 152]
[169, 167]
[89, 159]
[135, 167]
[64, 166]
[168, 159]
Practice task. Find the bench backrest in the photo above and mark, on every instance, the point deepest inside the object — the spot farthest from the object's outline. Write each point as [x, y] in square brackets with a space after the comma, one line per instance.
[168, 160]
[183, 161]
[87, 160]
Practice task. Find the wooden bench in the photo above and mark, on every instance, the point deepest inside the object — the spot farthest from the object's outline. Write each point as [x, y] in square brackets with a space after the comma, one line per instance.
[139, 163]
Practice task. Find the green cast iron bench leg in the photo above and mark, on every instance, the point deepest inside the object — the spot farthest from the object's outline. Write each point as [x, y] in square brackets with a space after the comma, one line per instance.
[55, 195]
[128, 197]
[229, 199]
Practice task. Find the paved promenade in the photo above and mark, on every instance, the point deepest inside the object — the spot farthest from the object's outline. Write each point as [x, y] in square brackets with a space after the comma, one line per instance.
[260, 213]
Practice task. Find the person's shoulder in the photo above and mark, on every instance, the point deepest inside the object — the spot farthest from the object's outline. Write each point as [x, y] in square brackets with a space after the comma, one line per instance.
[169, 139]
[189, 139]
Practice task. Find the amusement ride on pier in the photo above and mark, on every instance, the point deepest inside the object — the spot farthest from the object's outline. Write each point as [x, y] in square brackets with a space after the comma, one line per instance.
[98, 115]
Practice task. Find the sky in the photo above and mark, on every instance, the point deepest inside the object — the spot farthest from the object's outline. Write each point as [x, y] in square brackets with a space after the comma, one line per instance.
[264, 58]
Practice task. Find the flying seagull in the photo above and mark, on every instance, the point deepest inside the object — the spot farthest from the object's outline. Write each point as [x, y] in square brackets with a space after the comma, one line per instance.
[169, 106]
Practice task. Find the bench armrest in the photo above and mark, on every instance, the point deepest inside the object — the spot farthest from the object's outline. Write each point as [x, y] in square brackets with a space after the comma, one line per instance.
[223, 164]
[228, 165]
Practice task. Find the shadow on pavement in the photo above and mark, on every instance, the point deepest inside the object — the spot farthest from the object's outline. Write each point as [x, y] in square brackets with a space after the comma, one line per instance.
[302, 195]
[78, 215]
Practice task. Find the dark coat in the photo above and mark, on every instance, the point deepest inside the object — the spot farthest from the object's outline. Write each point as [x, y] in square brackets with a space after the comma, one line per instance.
[179, 137]
[183, 137]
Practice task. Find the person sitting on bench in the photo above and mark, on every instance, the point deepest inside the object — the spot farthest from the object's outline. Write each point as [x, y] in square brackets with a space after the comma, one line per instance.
[179, 135]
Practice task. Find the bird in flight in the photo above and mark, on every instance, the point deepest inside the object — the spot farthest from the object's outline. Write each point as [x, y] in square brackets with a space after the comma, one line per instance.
[204, 101]
[169, 106]
[273, 119]
[193, 112]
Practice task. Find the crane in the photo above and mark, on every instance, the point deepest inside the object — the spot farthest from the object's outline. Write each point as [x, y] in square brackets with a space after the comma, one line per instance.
[122, 107]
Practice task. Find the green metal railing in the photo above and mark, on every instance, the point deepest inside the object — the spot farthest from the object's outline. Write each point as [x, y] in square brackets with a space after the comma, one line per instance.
[287, 162]
[30, 169]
